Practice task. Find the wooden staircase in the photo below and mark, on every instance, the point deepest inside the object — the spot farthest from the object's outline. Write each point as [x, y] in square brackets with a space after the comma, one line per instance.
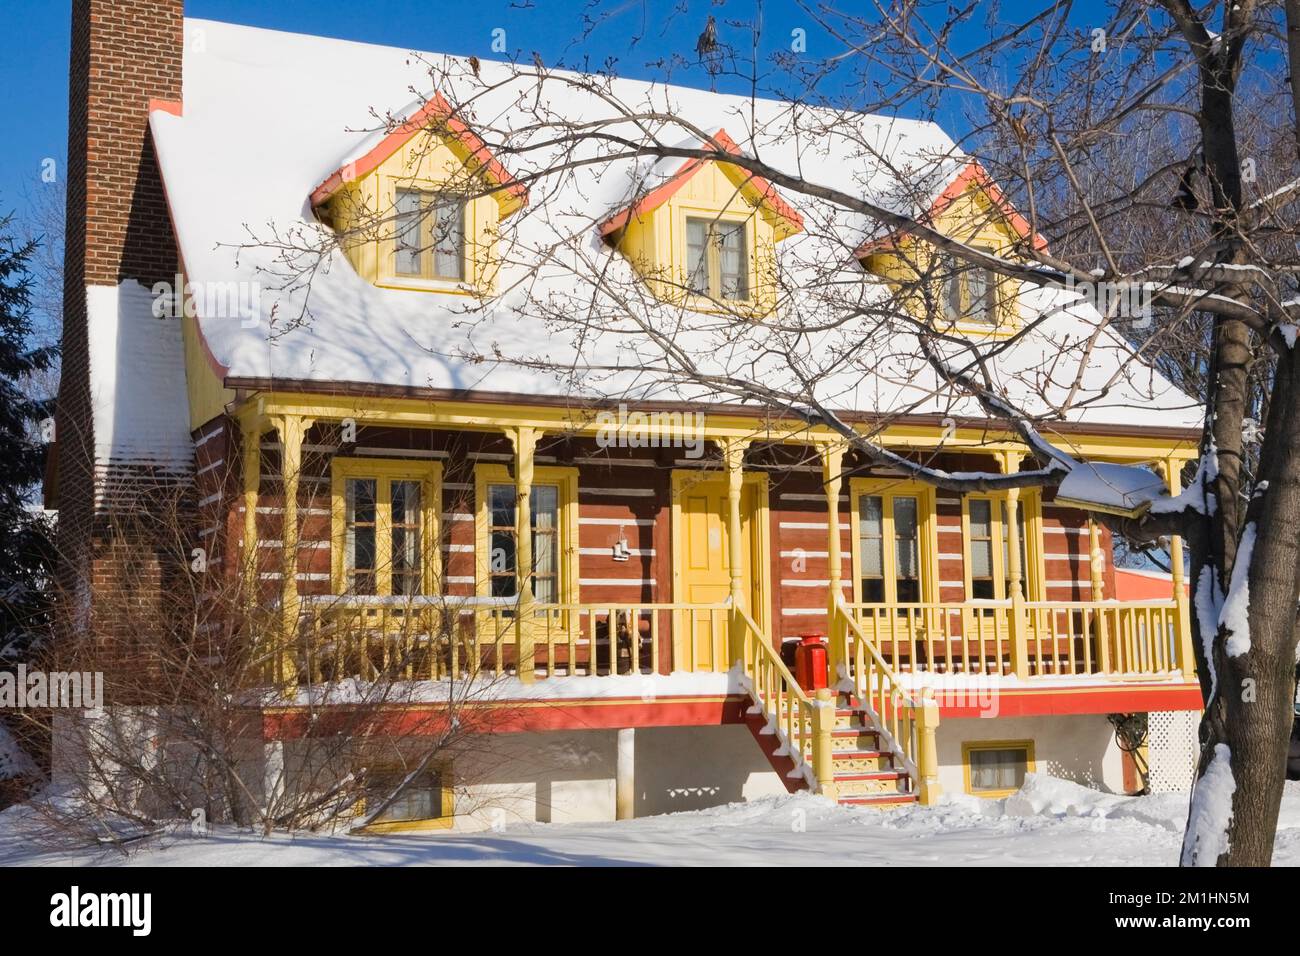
[869, 742]
[866, 774]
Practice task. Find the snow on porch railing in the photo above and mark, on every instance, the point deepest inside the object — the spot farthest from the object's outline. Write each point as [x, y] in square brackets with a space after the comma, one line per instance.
[801, 724]
[906, 719]
[435, 637]
[1110, 639]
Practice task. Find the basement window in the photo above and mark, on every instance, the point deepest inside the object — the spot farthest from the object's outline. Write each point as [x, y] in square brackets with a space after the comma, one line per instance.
[425, 800]
[997, 768]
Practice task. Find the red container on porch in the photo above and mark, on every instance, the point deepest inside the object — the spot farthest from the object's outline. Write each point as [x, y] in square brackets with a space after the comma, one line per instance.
[810, 661]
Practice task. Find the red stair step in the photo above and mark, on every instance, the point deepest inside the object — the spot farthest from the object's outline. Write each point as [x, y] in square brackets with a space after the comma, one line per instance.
[859, 754]
[873, 775]
[878, 799]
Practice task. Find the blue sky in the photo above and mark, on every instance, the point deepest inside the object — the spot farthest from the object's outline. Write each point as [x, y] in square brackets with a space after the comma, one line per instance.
[33, 70]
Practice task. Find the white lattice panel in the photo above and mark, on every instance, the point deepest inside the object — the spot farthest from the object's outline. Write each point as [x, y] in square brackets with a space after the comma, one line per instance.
[1172, 749]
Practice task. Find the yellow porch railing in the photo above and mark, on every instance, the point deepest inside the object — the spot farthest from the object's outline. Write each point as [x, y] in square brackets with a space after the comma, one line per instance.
[802, 724]
[439, 637]
[906, 719]
[1109, 639]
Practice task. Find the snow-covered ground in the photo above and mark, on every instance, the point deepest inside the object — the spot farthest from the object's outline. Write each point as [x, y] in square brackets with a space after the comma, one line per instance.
[1048, 823]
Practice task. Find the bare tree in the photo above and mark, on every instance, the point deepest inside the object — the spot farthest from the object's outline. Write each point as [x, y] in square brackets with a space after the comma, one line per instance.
[217, 708]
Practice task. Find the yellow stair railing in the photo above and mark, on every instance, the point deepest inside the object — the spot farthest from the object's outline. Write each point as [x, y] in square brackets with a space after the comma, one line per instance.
[802, 724]
[907, 721]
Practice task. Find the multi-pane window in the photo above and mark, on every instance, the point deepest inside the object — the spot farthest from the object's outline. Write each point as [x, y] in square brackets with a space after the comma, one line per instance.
[889, 548]
[421, 798]
[546, 543]
[406, 505]
[360, 531]
[997, 769]
[501, 540]
[988, 546]
[871, 547]
[907, 546]
[982, 578]
[717, 258]
[429, 238]
[969, 293]
[382, 527]
[503, 535]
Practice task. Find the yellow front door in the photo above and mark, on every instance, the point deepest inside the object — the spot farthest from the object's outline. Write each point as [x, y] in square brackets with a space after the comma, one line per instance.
[701, 558]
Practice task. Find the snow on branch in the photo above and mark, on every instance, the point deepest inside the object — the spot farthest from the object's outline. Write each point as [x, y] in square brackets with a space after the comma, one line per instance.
[1126, 490]
[1198, 496]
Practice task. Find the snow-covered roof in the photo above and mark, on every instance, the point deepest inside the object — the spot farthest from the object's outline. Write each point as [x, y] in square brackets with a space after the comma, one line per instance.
[660, 185]
[1103, 486]
[268, 116]
[408, 123]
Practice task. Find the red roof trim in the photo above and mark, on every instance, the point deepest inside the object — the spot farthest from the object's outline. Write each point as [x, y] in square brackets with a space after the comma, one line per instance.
[435, 109]
[972, 174]
[661, 194]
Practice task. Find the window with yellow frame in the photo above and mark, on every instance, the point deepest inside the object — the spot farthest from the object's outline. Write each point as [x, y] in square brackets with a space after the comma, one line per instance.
[996, 768]
[435, 235]
[957, 295]
[724, 258]
[970, 296]
[554, 525]
[426, 802]
[385, 526]
[895, 543]
[986, 542]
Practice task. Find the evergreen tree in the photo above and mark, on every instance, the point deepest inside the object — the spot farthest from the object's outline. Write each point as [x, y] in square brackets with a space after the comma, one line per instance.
[25, 534]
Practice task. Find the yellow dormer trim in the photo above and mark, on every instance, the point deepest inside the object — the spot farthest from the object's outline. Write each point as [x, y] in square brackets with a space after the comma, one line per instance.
[655, 242]
[971, 210]
[435, 154]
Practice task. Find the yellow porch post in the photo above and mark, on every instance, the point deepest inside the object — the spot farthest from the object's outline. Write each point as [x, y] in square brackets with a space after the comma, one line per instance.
[1182, 620]
[733, 453]
[250, 440]
[1019, 614]
[832, 456]
[524, 439]
[823, 723]
[292, 430]
[1095, 562]
[927, 754]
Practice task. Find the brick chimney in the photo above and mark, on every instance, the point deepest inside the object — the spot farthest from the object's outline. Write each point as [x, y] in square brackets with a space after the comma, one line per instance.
[124, 54]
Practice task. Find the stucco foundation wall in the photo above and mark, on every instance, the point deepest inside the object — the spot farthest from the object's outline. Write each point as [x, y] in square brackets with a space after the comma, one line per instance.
[1079, 747]
[689, 768]
[569, 776]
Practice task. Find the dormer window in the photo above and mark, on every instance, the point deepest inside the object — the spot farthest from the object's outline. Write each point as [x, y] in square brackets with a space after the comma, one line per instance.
[717, 258]
[969, 292]
[421, 210]
[429, 239]
[704, 237]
